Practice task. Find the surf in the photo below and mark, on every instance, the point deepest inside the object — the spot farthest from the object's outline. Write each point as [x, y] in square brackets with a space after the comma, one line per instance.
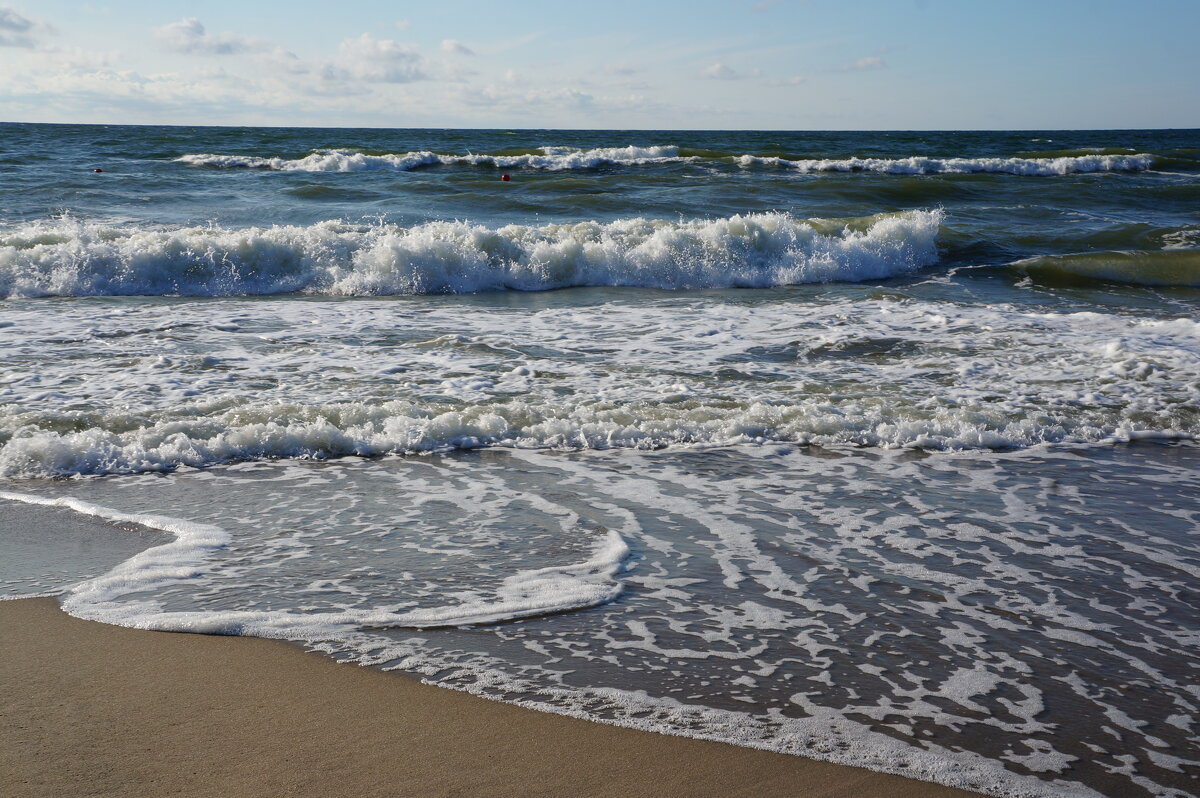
[73, 258]
[347, 160]
[922, 165]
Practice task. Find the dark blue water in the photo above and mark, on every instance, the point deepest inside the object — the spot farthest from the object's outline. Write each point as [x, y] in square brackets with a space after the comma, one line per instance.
[47, 170]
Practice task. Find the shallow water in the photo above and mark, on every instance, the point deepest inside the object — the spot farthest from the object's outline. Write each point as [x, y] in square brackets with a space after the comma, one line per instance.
[979, 619]
[876, 448]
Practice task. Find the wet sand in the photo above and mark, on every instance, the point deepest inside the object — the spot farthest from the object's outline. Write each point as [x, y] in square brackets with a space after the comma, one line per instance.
[95, 710]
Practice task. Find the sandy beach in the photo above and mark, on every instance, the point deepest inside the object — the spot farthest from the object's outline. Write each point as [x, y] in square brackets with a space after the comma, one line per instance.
[91, 710]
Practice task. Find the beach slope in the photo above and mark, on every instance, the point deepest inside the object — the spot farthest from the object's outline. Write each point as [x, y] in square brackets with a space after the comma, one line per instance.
[95, 710]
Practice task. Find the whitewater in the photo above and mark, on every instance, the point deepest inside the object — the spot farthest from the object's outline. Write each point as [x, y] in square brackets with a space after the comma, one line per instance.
[70, 258]
[566, 158]
[875, 448]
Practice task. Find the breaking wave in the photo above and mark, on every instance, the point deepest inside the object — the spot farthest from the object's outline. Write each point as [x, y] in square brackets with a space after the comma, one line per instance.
[547, 158]
[63, 443]
[68, 258]
[569, 158]
[920, 165]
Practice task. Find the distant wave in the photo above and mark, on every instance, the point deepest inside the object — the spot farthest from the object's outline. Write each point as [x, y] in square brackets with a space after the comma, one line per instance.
[920, 165]
[66, 258]
[549, 158]
[1169, 267]
[567, 158]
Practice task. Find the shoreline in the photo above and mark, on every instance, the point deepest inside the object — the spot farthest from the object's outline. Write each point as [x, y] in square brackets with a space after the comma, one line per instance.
[98, 710]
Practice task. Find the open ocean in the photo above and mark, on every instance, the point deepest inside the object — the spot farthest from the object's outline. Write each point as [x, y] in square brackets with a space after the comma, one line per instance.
[878, 448]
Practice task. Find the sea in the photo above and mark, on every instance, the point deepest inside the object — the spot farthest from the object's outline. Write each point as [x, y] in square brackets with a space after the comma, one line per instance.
[877, 448]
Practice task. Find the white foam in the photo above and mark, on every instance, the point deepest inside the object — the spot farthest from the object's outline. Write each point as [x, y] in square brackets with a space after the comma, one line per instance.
[568, 158]
[921, 165]
[151, 569]
[363, 429]
[336, 160]
[68, 258]
[816, 656]
[298, 379]
[540, 591]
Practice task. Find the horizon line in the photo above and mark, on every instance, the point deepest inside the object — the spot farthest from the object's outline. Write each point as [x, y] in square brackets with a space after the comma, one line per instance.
[624, 130]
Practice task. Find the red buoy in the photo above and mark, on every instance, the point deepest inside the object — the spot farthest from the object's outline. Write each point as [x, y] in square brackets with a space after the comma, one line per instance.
[97, 171]
[505, 178]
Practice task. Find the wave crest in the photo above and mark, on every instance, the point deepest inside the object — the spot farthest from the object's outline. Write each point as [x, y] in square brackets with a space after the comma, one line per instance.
[569, 158]
[335, 160]
[920, 165]
[1167, 267]
[67, 258]
[68, 443]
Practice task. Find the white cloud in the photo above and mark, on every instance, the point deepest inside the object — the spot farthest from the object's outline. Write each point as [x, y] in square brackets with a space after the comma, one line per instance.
[403, 24]
[376, 60]
[456, 47]
[157, 93]
[721, 71]
[568, 97]
[366, 78]
[76, 58]
[189, 36]
[622, 70]
[545, 106]
[861, 65]
[794, 80]
[286, 61]
[511, 99]
[16, 30]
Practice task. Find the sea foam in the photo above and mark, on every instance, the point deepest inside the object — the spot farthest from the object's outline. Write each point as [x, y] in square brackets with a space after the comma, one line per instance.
[269, 431]
[920, 165]
[568, 159]
[340, 160]
[541, 591]
[104, 387]
[67, 258]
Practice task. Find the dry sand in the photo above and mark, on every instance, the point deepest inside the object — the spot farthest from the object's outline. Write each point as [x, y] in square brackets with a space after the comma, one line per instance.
[89, 709]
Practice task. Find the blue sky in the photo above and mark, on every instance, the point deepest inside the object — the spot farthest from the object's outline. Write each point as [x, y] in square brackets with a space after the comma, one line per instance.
[771, 64]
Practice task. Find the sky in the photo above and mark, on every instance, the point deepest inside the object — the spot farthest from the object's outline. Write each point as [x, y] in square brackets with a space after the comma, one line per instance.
[704, 64]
